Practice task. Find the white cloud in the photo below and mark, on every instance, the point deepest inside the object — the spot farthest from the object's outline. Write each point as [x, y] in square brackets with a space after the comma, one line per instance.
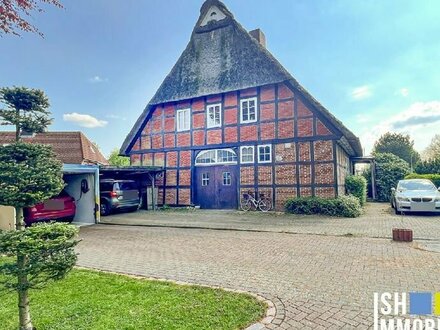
[111, 116]
[362, 92]
[421, 121]
[97, 80]
[404, 92]
[363, 118]
[84, 120]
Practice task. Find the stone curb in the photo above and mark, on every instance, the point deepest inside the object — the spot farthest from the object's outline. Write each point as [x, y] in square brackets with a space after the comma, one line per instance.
[275, 312]
[253, 230]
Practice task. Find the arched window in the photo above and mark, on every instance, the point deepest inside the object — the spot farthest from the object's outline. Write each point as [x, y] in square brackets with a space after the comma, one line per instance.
[216, 157]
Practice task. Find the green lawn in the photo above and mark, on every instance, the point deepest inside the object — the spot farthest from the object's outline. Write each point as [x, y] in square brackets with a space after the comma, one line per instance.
[94, 300]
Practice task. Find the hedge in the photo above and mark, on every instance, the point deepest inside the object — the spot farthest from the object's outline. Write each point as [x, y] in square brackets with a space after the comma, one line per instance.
[435, 178]
[389, 170]
[356, 185]
[343, 206]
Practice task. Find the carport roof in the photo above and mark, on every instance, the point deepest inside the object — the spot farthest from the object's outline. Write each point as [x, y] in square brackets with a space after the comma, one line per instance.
[130, 169]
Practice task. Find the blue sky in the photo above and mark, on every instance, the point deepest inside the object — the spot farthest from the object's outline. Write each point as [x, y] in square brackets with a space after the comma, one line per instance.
[374, 64]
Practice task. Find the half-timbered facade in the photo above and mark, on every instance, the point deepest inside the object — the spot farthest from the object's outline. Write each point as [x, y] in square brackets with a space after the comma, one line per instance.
[229, 119]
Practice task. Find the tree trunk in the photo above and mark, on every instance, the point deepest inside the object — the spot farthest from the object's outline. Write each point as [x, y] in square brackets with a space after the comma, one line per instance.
[19, 221]
[17, 126]
[23, 296]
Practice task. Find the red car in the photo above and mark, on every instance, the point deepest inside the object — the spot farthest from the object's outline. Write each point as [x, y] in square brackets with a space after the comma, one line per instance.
[61, 207]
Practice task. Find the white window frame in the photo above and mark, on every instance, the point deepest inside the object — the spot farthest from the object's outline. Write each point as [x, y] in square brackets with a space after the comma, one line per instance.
[228, 179]
[187, 126]
[241, 110]
[270, 153]
[209, 123]
[241, 155]
[205, 179]
[216, 162]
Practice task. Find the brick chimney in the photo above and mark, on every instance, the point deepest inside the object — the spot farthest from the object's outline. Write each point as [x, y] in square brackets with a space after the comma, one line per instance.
[259, 36]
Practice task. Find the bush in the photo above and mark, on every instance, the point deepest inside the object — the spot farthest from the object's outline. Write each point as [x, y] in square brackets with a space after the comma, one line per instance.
[356, 185]
[343, 206]
[435, 178]
[428, 167]
[389, 170]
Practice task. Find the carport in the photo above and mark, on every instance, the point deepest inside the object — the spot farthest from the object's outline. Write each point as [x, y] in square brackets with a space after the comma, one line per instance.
[82, 183]
[145, 176]
[368, 161]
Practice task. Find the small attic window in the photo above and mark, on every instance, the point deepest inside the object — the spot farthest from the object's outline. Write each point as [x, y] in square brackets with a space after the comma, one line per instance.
[214, 14]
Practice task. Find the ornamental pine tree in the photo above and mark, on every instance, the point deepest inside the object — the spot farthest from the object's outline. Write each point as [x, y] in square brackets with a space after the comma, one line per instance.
[30, 174]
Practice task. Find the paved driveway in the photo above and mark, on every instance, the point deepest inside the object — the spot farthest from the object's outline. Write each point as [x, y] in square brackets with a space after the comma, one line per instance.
[315, 281]
[378, 221]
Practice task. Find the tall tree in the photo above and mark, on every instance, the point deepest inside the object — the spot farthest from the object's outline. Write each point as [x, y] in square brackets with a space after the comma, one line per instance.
[14, 15]
[433, 150]
[29, 174]
[117, 160]
[397, 144]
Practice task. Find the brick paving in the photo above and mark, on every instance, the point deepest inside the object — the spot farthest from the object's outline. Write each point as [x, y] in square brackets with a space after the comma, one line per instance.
[378, 221]
[315, 281]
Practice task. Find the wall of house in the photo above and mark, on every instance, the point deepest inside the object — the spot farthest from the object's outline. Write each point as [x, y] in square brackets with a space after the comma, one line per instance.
[343, 167]
[7, 217]
[85, 202]
[303, 145]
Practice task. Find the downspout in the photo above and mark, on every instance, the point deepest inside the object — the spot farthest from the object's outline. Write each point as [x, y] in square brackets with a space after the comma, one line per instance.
[97, 197]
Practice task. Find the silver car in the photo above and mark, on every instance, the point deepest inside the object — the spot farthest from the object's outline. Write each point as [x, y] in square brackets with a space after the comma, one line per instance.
[416, 195]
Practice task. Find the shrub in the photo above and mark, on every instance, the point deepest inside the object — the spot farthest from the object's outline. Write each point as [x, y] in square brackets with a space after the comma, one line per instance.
[435, 178]
[356, 185]
[428, 167]
[389, 170]
[343, 206]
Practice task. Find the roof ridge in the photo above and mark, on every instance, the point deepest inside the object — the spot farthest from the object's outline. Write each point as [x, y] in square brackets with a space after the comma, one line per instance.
[81, 139]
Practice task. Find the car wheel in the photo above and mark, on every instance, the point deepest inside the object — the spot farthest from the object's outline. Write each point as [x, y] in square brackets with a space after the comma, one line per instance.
[68, 220]
[104, 209]
[397, 211]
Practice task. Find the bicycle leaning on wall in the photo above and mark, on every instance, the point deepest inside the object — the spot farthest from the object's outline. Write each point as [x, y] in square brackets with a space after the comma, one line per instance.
[248, 202]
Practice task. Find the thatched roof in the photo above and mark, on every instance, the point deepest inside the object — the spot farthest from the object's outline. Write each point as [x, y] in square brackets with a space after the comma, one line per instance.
[222, 56]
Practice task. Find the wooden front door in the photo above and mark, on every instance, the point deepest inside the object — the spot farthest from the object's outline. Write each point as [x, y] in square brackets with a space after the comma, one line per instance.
[216, 187]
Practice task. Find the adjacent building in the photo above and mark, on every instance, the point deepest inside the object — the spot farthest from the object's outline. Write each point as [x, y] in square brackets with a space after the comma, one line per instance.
[69, 147]
[229, 119]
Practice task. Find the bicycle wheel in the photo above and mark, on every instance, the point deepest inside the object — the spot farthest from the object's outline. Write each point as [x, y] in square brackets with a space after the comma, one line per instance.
[265, 205]
[245, 204]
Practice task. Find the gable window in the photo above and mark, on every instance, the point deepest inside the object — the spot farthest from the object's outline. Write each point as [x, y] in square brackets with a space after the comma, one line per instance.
[247, 155]
[248, 110]
[214, 115]
[265, 153]
[183, 120]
